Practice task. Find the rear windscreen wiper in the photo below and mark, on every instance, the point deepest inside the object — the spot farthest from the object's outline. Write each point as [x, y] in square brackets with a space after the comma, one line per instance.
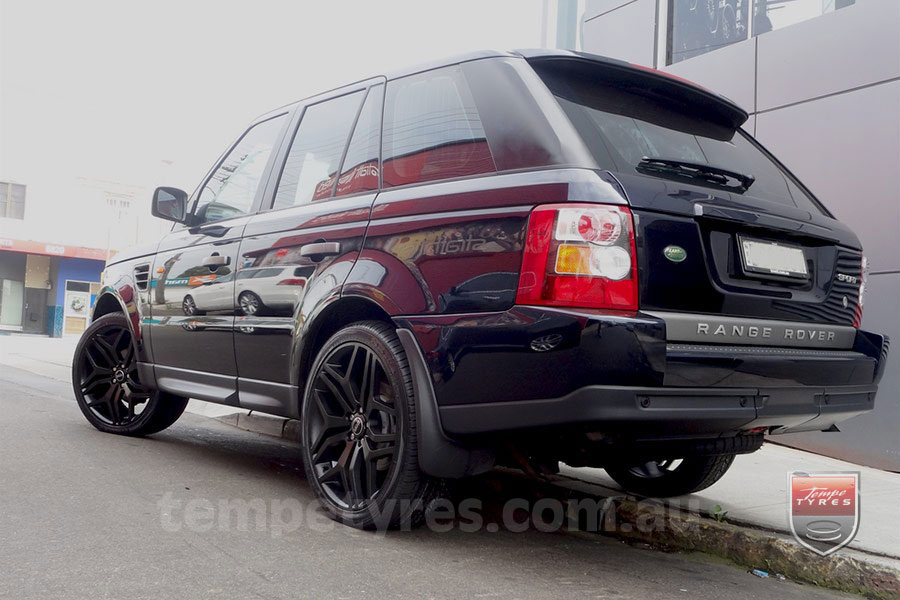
[681, 168]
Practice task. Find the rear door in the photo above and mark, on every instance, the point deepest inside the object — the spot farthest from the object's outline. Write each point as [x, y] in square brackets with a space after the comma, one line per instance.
[192, 287]
[298, 251]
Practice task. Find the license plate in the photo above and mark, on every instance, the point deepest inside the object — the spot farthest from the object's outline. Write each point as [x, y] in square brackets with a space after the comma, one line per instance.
[772, 258]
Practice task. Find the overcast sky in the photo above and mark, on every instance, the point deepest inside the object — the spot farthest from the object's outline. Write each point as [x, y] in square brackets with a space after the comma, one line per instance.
[141, 92]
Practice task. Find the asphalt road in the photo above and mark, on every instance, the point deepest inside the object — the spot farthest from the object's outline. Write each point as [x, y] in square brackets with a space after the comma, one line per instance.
[90, 515]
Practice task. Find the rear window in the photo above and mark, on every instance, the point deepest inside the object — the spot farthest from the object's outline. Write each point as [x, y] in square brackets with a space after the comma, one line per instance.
[432, 130]
[622, 128]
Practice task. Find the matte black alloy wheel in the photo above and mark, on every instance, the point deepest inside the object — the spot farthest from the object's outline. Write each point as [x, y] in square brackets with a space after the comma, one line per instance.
[353, 427]
[107, 386]
[108, 381]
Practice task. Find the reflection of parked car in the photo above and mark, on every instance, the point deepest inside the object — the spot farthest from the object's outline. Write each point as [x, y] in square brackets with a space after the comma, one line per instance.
[258, 288]
[547, 256]
[213, 295]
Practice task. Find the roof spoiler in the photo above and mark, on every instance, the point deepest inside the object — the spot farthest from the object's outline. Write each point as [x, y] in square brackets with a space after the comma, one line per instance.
[658, 84]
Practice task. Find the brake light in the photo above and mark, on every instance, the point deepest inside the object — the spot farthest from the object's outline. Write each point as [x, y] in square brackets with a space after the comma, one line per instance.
[579, 255]
[864, 274]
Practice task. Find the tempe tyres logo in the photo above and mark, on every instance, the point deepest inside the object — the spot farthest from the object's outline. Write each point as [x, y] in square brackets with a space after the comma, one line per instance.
[824, 509]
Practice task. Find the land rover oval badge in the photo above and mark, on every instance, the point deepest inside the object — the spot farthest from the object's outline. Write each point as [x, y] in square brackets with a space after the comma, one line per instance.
[675, 253]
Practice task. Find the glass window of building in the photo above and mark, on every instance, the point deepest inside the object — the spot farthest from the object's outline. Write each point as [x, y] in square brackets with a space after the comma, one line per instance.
[12, 200]
[700, 26]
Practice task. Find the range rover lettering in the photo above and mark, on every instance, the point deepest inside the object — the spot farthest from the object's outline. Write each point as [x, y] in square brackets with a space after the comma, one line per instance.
[538, 257]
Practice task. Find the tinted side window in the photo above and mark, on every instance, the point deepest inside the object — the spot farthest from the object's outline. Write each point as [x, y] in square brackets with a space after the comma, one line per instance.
[359, 172]
[231, 189]
[432, 129]
[315, 154]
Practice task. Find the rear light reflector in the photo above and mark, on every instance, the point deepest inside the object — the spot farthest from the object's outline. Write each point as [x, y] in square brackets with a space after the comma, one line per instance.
[579, 255]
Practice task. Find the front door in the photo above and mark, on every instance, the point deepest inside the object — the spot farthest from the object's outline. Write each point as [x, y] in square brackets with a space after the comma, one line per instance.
[35, 310]
[297, 255]
[192, 291]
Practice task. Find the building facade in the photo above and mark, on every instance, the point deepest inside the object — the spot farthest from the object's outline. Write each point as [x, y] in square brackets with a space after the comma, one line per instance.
[821, 81]
[54, 242]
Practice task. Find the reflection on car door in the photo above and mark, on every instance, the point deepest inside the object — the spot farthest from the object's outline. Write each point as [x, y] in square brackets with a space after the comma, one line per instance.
[297, 256]
[192, 296]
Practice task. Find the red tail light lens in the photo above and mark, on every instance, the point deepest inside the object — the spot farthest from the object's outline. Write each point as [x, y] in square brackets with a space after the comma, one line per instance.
[579, 255]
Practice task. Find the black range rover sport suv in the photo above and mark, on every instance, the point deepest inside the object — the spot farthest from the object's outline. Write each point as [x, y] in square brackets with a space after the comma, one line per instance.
[544, 255]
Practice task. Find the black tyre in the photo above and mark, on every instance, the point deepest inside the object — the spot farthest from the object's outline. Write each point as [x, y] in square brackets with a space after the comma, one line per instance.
[107, 387]
[249, 303]
[671, 477]
[359, 430]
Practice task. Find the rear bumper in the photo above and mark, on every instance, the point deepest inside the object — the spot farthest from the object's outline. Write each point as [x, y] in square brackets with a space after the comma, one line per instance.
[659, 412]
[532, 367]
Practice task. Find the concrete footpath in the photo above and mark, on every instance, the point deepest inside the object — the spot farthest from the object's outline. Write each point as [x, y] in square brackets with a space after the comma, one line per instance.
[743, 517]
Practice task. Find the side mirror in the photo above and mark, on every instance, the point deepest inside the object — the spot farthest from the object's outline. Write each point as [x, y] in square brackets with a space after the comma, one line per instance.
[169, 204]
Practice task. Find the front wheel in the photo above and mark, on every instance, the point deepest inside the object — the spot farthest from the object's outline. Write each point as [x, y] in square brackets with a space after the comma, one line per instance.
[108, 387]
[671, 477]
[359, 430]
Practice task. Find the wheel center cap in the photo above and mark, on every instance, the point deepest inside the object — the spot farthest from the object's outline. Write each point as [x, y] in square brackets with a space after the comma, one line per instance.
[118, 376]
[357, 426]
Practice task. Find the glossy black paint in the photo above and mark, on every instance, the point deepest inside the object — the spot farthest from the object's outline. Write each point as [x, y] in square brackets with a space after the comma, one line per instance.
[706, 224]
[292, 286]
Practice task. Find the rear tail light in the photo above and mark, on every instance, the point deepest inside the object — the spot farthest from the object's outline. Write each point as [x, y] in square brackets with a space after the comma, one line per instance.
[293, 281]
[864, 275]
[579, 255]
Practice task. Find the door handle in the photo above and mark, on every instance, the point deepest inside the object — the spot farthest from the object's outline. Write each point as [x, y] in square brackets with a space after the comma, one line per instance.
[214, 261]
[319, 250]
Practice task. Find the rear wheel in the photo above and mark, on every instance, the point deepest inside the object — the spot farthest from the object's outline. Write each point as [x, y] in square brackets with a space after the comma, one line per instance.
[671, 477]
[359, 430]
[250, 303]
[107, 385]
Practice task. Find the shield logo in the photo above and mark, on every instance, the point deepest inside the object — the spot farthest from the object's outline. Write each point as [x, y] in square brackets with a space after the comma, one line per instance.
[824, 509]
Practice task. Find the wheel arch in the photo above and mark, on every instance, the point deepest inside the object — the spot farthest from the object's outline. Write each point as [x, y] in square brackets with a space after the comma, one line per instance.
[110, 301]
[322, 324]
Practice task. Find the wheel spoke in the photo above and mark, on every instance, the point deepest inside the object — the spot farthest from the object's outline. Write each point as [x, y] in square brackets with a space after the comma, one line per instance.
[378, 403]
[92, 381]
[373, 454]
[382, 438]
[93, 362]
[104, 399]
[329, 376]
[367, 385]
[355, 467]
[108, 352]
[324, 442]
[114, 407]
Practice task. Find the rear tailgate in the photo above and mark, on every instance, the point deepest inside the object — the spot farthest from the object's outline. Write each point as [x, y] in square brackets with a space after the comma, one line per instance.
[722, 226]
